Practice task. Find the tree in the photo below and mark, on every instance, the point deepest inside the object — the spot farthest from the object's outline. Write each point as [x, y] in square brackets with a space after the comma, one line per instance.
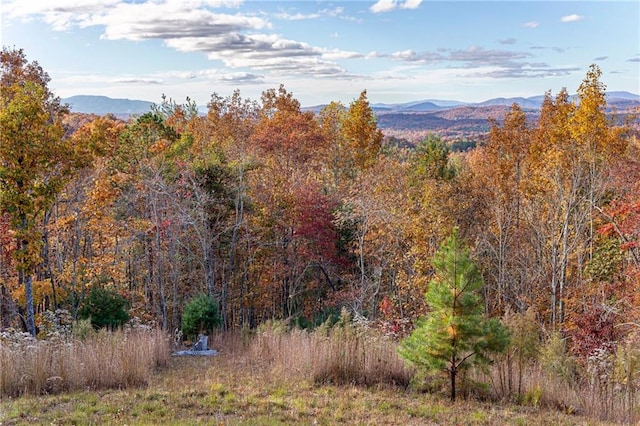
[431, 160]
[455, 334]
[501, 172]
[360, 128]
[339, 163]
[434, 205]
[105, 308]
[200, 315]
[35, 159]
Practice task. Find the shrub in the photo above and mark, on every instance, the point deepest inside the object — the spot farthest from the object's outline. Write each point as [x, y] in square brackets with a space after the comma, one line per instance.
[200, 316]
[105, 308]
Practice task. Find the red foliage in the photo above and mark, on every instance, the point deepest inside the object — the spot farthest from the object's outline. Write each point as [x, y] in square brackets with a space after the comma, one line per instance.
[594, 328]
[313, 213]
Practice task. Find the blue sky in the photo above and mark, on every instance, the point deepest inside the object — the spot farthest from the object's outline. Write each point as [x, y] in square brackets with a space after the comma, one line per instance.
[322, 51]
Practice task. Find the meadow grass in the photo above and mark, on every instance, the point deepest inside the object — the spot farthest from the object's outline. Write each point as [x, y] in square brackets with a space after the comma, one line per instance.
[118, 359]
[276, 378]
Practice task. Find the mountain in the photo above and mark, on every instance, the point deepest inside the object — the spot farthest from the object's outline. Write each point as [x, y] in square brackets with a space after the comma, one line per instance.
[102, 105]
[623, 95]
[532, 103]
[424, 114]
[422, 106]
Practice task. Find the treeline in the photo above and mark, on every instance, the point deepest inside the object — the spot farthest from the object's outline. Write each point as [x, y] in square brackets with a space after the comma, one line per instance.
[278, 213]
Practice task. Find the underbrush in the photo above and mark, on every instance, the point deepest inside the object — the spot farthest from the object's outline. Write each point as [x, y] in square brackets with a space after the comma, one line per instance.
[100, 360]
[603, 386]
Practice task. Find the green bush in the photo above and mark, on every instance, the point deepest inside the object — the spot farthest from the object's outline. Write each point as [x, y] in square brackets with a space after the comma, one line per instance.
[200, 316]
[105, 308]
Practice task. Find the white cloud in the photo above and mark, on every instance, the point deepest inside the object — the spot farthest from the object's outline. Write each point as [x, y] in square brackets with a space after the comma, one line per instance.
[411, 4]
[404, 55]
[530, 24]
[382, 6]
[301, 16]
[170, 20]
[237, 40]
[136, 81]
[572, 18]
[336, 54]
[297, 16]
[60, 14]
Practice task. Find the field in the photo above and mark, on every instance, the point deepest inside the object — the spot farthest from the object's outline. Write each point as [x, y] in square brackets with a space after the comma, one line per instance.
[260, 383]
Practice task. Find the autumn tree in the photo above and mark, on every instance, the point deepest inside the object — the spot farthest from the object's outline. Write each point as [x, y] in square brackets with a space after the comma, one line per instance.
[291, 148]
[455, 333]
[339, 164]
[572, 149]
[81, 237]
[289, 135]
[231, 122]
[372, 219]
[433, 206]
[35, 159]
[501, 173]
[361, 131]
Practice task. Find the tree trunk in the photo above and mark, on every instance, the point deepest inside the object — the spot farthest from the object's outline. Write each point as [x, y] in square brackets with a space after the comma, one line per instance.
[239, 219]
[452, 375]
[46, 258]
[28, 292]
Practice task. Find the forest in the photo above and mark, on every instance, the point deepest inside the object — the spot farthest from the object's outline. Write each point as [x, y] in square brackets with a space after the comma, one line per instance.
[276, 213]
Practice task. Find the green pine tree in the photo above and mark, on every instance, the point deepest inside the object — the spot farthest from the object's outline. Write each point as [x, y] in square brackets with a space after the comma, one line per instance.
[456, 333]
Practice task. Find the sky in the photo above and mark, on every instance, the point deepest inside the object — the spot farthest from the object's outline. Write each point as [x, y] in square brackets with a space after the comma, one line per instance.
[323, 51]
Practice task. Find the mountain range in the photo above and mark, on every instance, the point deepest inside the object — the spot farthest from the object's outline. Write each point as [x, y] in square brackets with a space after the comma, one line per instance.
[101, 105]
[533, 102]
[411, 121]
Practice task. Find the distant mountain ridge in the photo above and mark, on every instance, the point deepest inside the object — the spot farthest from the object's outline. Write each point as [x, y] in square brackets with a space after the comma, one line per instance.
[534, 102]
[101, 105]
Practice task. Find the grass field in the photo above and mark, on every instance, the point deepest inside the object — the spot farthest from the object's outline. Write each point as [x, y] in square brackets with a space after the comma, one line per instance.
[245, 386]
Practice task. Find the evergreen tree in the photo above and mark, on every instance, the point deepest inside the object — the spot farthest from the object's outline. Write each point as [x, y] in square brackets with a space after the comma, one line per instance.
[200, 316]
[105, 308]
[455, 334]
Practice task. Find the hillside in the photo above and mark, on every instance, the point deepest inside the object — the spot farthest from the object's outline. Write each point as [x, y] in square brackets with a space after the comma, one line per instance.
[463, 122]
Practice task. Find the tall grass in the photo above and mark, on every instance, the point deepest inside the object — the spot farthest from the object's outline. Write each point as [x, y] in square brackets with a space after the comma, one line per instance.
[604, 386]
[116, 359]
[605, 389]
[342, 355]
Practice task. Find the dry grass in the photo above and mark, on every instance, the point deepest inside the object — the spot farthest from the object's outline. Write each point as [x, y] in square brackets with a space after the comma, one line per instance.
[104, 360]
[339, 356]
[580, 394]
[276, 378]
